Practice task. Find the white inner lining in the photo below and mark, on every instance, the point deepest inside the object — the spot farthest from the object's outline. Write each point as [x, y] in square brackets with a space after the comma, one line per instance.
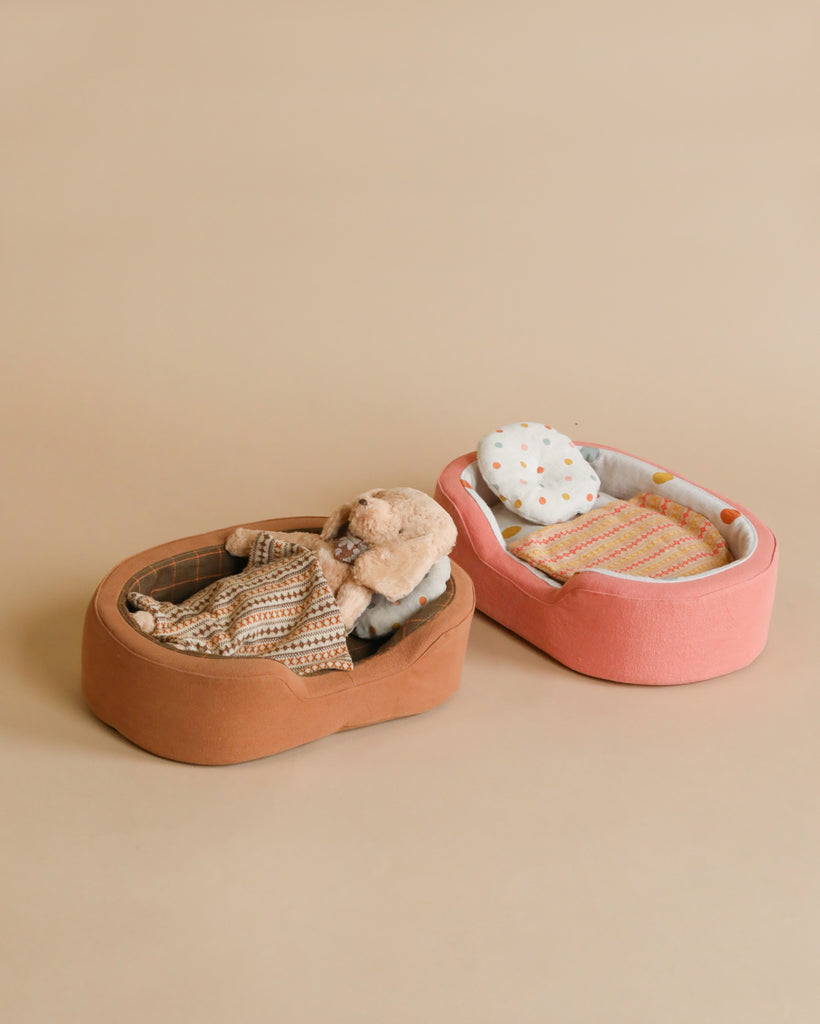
[623, 476]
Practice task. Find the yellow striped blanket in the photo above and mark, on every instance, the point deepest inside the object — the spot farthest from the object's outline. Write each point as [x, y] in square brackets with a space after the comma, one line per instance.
[645, 536]
[280, 606]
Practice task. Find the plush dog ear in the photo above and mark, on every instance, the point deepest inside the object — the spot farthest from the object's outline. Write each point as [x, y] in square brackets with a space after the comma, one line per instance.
[335, 521]
[396, 568]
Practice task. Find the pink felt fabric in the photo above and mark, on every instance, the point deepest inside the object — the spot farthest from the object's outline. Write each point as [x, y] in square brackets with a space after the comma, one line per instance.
[617, 628]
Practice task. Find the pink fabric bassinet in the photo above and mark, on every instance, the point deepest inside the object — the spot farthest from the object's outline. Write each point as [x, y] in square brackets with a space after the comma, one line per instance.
[624, 628]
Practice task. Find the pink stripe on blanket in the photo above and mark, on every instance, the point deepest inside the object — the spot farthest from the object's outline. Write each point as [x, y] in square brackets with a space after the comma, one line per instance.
[646, 536]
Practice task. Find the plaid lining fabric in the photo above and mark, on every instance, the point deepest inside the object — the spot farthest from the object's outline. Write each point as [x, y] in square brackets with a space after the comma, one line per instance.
[178, 578]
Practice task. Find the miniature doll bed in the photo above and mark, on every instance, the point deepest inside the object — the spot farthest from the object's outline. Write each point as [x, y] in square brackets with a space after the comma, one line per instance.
[611, 625]
[215, 710]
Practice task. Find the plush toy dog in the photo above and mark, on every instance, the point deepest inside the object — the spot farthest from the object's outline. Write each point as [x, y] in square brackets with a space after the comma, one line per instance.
[383, 542]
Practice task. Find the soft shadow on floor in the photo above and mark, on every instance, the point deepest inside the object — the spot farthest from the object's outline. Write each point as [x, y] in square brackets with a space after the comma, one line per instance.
[45, 698]
[493, 642]
[51, 643]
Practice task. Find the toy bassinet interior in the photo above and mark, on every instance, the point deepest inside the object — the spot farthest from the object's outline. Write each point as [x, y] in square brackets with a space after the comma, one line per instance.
[214, 710]
[618, 627]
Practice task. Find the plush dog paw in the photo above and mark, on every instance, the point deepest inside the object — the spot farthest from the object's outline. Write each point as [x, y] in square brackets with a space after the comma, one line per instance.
[352, 601]
[240, 541]
[144, 621]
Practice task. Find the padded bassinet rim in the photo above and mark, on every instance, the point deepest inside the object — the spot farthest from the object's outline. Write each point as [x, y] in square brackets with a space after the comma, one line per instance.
[492, 554]
[223, 710]
[614, 627]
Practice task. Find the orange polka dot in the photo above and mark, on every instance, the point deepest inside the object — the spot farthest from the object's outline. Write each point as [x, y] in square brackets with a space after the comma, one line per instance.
[499, 431]
[511, 531]
[568, 461]
[523, 447]
[465, 485]
[728, 515]
[525, 424]
[496, 465]
[590, 498]
[540, 469]
[501, 496]
[565, 496]
[542, 501]
[396, 625]
[422, 600]
[518, 503]
[524, 464]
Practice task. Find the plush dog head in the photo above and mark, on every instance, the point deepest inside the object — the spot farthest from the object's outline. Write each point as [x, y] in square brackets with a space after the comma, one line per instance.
[406, 532]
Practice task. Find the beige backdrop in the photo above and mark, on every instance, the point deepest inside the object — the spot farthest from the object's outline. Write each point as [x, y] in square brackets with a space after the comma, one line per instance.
[256, 257]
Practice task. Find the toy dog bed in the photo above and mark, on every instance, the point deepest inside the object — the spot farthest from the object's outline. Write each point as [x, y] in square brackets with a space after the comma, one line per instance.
[632, 574]
[215, 710]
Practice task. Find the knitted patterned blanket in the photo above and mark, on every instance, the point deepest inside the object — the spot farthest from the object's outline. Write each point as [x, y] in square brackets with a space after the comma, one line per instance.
[280, 606]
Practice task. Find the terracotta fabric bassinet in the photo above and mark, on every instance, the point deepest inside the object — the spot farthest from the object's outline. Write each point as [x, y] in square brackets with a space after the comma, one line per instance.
[613, 626]
[212, 710]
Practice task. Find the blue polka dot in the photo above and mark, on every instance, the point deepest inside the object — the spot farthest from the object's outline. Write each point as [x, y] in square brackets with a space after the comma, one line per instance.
[547, 440]
[498, 444]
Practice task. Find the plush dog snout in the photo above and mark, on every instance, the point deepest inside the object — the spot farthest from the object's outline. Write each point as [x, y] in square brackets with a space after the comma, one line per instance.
[363, 501]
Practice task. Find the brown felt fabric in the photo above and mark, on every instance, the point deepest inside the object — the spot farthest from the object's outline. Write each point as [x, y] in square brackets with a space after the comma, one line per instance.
[211, 710]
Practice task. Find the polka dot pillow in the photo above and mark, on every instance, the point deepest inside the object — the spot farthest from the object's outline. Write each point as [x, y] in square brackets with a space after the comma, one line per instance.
[382, 617]
[538, 472]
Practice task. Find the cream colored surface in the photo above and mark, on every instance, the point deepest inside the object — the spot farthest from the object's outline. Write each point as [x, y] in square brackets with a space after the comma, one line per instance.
[257, 257]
